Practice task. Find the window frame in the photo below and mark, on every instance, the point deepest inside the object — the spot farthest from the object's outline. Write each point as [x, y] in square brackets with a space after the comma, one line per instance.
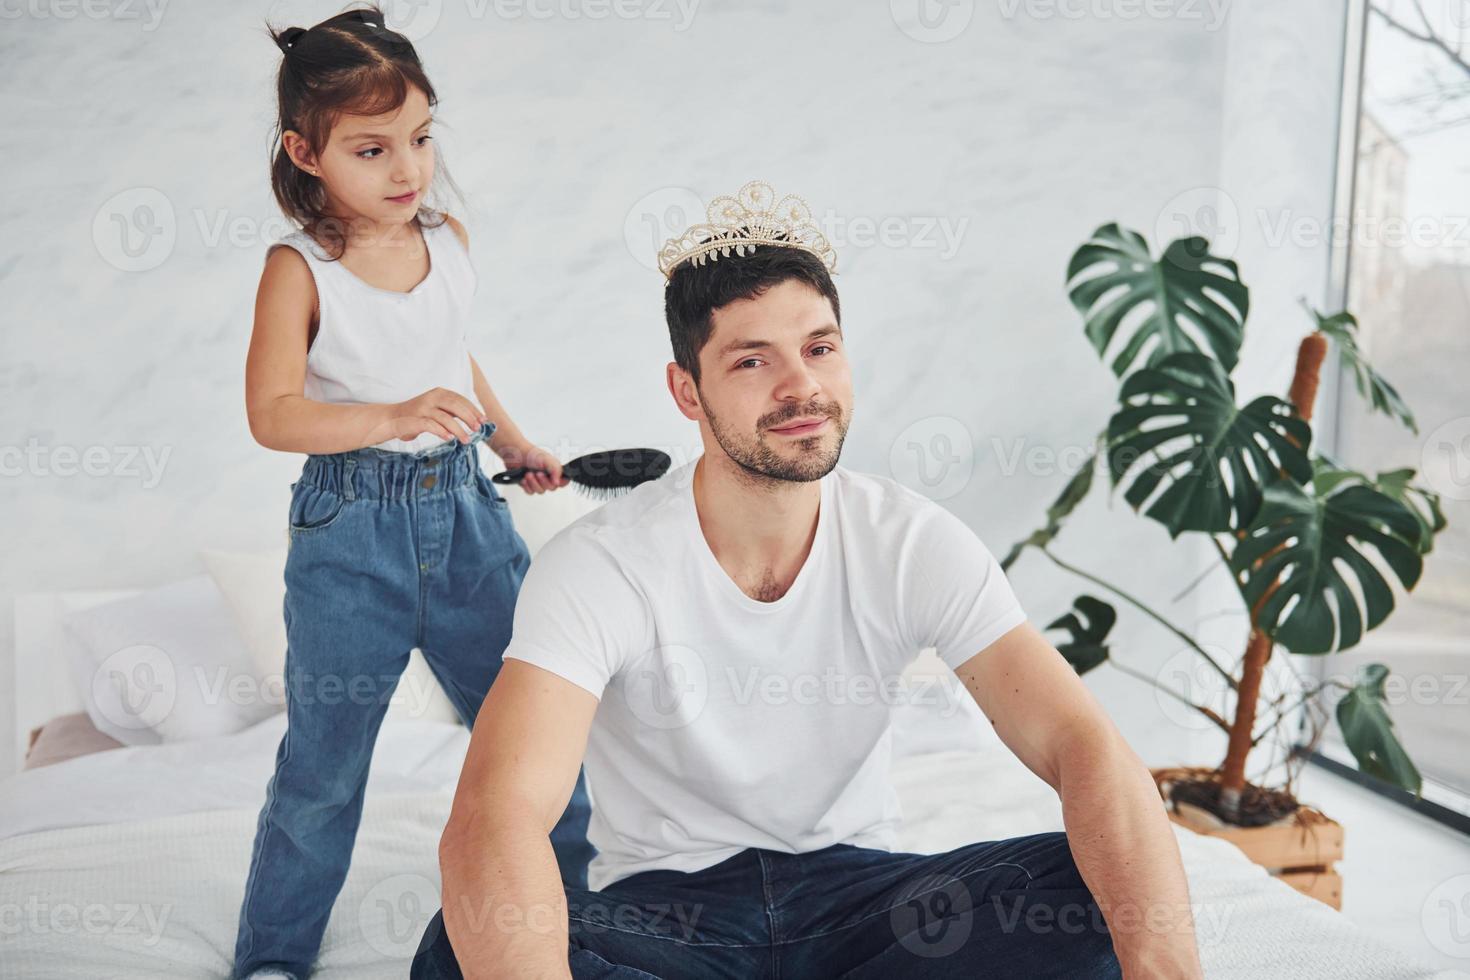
[1443, 804]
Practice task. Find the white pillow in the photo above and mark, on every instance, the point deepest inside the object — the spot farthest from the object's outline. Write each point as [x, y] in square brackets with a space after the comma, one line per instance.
[165, 665]
[254, 586]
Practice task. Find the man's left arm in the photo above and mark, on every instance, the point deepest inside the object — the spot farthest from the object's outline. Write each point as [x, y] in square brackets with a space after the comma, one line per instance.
[1116, 825]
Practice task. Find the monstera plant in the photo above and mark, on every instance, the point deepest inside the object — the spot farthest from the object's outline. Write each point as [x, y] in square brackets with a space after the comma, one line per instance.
[1309, 544]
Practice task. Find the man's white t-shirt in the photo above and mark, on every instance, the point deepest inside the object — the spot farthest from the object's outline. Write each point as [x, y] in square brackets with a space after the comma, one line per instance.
[725, 722]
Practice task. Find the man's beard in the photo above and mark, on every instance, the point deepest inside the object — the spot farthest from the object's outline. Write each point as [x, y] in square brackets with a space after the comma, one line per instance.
[764, 464]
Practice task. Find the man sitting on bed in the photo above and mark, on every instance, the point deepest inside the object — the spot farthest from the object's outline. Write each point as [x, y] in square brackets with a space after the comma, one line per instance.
[724, 644]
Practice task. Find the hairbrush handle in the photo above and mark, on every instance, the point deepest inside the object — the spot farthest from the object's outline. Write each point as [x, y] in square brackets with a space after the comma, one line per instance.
[516, 475]
[604, 472]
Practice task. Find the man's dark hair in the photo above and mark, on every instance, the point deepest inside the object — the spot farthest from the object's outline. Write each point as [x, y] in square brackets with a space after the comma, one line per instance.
[694, 292]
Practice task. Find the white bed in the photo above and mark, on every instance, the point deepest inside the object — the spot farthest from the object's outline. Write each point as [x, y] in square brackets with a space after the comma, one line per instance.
[130, 863]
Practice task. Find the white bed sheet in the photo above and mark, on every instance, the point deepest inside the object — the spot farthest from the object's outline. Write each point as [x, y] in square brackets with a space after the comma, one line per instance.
[131, 863]
[225, 773]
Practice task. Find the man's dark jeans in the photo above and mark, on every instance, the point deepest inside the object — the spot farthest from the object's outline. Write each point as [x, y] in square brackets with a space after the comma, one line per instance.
[1009, 908]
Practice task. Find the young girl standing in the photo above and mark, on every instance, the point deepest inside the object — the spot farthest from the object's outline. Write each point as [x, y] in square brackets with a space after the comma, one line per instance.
[359, 359]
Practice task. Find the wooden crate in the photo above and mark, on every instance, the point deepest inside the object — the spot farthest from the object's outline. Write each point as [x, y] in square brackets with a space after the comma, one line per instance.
[1302, 854]
[1325, 886]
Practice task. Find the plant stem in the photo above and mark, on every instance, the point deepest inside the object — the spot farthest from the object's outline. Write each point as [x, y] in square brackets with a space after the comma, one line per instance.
[1148, 612]
[1208, 713]
[1194, 584]
[1308, 693]
[1226, 559]
[1303, 396]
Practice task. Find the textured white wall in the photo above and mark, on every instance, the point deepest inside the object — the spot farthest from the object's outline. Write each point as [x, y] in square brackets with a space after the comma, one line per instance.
[1014, 137]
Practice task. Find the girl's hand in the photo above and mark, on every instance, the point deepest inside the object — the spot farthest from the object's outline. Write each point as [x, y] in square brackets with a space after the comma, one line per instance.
[535, 458]
[441, 411]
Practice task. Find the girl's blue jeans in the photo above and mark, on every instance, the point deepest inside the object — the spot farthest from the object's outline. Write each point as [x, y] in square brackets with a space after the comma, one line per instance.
[388, 551]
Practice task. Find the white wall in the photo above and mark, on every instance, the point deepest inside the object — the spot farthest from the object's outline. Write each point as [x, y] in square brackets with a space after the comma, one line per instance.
[1022, 133]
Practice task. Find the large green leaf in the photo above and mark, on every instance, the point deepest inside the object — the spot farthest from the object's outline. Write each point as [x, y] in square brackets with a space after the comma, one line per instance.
[1422, 503]
[1179, 427]
[1322, 536]
[1072, 495]
[1188, 300]
[1368, 731]
[1089, 623]
[1381, 396]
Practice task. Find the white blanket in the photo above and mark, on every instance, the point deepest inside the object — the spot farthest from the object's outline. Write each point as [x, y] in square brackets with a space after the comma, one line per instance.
[1249, 925]
[131, 864]
[159, 898]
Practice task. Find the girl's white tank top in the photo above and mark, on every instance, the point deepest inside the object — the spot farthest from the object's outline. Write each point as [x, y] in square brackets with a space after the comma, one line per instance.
[382, 346]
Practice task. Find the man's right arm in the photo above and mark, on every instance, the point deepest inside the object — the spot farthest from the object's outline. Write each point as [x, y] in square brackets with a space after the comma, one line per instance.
[505, 908]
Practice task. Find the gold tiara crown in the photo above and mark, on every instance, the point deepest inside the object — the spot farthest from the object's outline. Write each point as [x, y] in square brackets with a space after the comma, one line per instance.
[738, 224]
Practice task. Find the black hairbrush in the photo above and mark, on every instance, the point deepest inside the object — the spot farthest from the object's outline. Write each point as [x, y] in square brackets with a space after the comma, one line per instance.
[604, 474]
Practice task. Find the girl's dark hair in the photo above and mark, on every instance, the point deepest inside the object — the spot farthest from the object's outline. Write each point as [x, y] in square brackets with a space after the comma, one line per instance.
[694, 292]
[349, 63]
